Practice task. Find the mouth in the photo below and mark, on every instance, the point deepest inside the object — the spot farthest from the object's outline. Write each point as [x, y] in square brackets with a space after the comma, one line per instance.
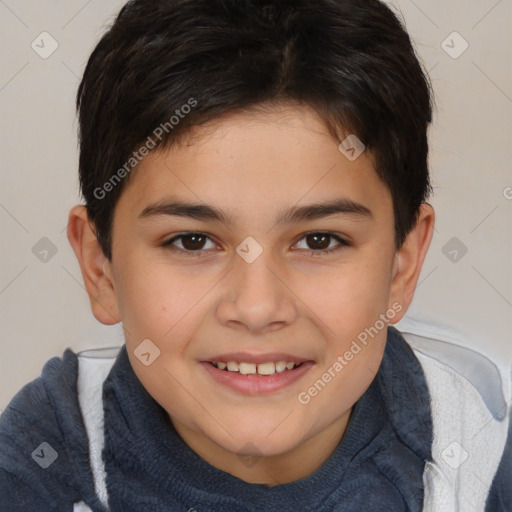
[256, 375]
[260, 369]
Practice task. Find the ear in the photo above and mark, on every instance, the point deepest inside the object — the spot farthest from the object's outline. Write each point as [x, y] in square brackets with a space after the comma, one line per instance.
[95, 267]
[409, 260]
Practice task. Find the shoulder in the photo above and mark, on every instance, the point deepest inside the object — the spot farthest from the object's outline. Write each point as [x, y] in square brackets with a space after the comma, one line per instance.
[43, 444]
[35, 409]
[500, 496]
[469, 394]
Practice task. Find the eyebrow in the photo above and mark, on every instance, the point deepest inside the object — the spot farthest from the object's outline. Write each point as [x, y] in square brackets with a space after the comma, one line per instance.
[295, 214]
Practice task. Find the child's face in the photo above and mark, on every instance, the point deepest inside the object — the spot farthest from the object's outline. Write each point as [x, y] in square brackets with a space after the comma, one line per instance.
[290, 303]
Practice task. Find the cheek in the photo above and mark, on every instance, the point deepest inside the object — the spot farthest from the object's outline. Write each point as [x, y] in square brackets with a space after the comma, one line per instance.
[351, 308]
[348, 299]
[154, 300]
[339, 384]
[162, 305]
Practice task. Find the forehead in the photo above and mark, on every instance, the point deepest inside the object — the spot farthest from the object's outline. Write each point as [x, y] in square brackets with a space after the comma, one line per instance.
[255, 161]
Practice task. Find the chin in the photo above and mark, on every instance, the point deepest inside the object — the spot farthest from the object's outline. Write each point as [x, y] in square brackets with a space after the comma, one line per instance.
[258, 443]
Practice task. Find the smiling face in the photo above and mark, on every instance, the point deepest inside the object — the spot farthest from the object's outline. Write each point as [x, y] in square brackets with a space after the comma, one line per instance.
[259, 243]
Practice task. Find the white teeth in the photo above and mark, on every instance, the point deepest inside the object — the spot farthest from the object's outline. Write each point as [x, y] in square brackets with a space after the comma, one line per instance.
[281, 366]
[232, 366]
[247, 368]
[269, 368]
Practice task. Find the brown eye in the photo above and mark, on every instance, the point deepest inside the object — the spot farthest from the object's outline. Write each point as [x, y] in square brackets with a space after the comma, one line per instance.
[318, 241]
[321, 243]
[193, 242]
[189, 242]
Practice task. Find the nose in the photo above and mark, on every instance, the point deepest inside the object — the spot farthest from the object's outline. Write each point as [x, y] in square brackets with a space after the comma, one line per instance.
[257, 297]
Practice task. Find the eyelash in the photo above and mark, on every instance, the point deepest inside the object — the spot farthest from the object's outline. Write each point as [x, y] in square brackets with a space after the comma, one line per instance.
[168, 244]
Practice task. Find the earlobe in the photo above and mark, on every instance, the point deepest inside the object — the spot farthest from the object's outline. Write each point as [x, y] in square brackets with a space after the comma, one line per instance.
[94, 265]
[409, 260]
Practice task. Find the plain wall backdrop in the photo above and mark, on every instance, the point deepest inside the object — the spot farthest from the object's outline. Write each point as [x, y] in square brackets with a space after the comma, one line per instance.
[467, 279]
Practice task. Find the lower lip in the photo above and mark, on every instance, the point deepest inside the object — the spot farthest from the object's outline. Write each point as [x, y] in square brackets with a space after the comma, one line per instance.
[254, 384]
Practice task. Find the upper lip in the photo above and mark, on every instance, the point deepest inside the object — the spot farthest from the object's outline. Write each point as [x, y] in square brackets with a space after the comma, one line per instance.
[245, 357]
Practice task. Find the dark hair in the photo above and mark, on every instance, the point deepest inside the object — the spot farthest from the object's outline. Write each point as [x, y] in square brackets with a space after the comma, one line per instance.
[351, 61]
